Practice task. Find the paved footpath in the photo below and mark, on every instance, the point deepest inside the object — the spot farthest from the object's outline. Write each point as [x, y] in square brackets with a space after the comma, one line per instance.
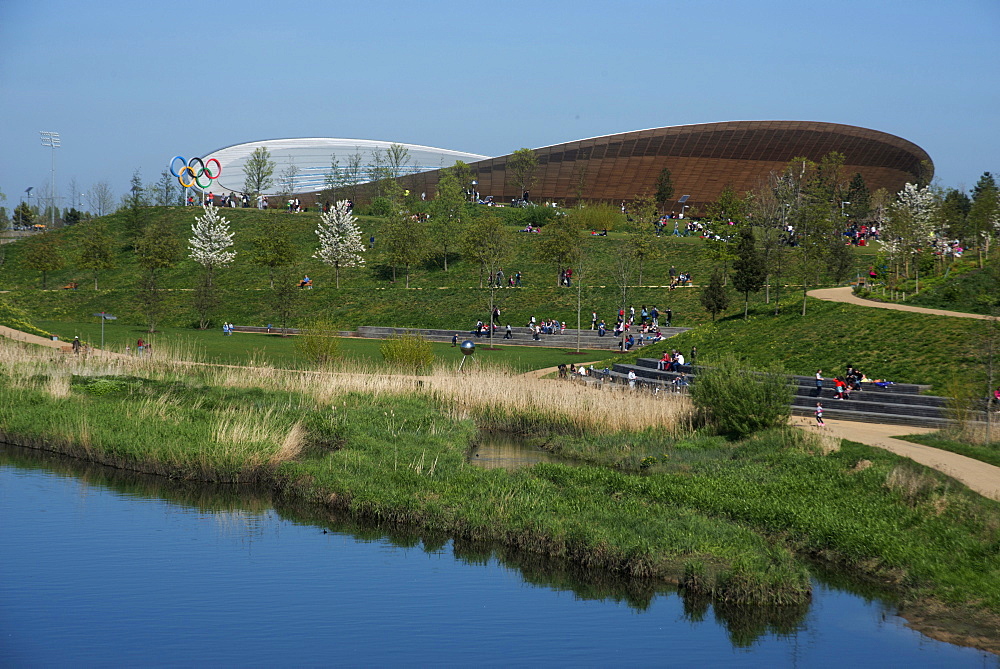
[846, 294]
[64, 346]
[980, 476]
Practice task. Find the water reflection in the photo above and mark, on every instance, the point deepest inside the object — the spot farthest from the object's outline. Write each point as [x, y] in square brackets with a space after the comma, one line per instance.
[503, 450]
[247, 513]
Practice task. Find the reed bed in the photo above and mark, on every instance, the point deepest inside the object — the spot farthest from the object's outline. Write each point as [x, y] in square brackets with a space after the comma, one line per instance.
[493, 395]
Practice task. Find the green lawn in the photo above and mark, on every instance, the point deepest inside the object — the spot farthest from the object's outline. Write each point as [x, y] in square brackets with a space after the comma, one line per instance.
[987, 453]
[212, 346]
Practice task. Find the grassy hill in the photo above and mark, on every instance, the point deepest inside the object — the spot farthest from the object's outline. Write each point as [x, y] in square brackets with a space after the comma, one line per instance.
[894, 345]
[898, 346]
[436, 298]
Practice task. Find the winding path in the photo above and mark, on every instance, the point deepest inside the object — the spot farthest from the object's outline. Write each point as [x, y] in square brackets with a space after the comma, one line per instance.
[846, 294]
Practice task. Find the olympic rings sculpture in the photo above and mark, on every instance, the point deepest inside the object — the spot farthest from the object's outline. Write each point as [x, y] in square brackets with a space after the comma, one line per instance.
[188, 169]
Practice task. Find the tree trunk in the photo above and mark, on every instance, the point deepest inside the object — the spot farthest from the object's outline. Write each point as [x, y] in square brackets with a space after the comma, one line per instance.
[407, 276]
[95, 280]
[336, 267]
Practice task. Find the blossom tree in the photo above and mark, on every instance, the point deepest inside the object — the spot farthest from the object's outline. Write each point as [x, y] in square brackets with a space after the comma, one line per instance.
[340, 242]
[211, 242]
[210, 247]
[912, 220]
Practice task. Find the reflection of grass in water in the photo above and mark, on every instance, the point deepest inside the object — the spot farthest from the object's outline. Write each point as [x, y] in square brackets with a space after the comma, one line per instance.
[392, 448]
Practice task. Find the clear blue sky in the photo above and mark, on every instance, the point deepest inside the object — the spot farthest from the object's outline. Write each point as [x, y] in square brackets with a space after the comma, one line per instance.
[131, 84]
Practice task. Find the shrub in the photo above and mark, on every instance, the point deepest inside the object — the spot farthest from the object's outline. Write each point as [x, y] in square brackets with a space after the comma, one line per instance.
[409, 351]
[381, 206]
[738, 402]
[318, 343]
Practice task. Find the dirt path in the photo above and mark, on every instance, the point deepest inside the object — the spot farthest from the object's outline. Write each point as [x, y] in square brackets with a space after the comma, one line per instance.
[63, 346]
[846, 294]
[17, 335]
[980, 476]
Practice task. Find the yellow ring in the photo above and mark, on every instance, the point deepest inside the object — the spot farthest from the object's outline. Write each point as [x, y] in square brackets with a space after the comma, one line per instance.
[180, 177]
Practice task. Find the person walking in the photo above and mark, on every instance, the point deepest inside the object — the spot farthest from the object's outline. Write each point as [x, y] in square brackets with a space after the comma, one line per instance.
[819, 382]
[593, 320]
[76, 345]
[631, 378]
[819, 415]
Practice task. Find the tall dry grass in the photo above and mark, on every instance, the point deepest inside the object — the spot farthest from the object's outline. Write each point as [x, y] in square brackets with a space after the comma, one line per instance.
[489, 391]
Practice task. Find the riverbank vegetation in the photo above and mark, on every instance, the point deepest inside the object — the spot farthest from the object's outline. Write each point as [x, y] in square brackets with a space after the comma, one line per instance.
[661, 499]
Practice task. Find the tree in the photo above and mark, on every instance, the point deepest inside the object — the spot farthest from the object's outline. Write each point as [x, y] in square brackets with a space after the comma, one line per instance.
[286, 180]
[730, 209]
[44, 254]
[285, 298]
[352, 172]
[397, 157]
[749, 272]
[376, 171]
[210, 246]
[447, 209]
[911, 222]
[340, 242]
[714, 297]
[984, 214]
[133, 205]
[664, 189]
[100, 198]
[23, 216]
[858, 198]
[521, 166]
[157, 249]
[487, 241]
[97, 251]
[271, 247]
[642, 245]
[952, 213]
[560, 243]
[257, 171]
[334, 178]
[406, 243]
[167, 190]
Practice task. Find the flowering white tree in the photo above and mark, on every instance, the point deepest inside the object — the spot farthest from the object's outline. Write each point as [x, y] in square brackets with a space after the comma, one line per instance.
[211, 242]
[340, 242]
[911, 223]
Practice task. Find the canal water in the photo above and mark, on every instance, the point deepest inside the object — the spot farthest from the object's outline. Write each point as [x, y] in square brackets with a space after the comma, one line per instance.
[102, 568]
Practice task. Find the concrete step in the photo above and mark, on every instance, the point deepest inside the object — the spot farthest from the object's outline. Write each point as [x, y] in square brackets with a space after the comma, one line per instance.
[878, 405]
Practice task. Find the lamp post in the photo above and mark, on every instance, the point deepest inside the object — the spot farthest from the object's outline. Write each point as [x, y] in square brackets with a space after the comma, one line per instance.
[842, 213]
[104, 317]
[683, 207]
[473, 191]
[51, 140]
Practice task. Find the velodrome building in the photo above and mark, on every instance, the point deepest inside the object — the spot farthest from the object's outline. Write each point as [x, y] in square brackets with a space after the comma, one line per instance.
[703, 159]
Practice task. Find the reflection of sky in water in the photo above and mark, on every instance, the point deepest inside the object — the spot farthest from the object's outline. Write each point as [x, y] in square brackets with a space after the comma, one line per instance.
[497, 450]
[99, 577]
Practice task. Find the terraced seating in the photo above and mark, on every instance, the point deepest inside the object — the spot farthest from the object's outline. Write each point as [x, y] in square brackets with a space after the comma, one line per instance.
[899, 404]
[521, 336]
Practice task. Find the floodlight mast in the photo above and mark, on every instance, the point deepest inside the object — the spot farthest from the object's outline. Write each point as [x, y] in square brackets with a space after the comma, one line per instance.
[52, 140]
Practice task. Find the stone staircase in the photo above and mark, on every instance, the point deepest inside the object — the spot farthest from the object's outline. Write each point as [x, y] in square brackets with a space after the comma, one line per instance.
[899, 404]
